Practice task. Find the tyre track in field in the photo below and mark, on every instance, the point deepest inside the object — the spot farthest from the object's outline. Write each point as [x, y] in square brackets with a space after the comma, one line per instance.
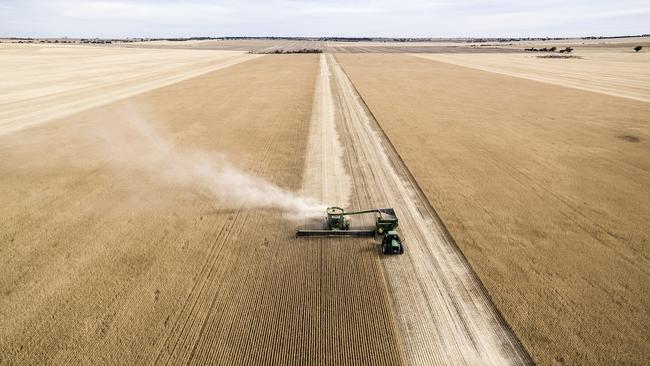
[442, 311]
[180, 344]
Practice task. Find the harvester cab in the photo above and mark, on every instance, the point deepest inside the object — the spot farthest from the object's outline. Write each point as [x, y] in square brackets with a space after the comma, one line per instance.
[336, 219]
[337, 224]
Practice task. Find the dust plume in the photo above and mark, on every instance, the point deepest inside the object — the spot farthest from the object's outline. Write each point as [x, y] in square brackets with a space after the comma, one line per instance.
[144, 147]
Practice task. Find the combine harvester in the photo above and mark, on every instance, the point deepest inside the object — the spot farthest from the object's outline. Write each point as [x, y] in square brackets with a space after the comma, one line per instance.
[337, 224]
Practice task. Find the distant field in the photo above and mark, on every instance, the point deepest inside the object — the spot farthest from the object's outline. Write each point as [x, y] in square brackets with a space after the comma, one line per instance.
[249, 45]
[267, 46]
[380, 46]
[40, 83]
[626, 43]
[415, 47]
[616, 72]
[544, 188]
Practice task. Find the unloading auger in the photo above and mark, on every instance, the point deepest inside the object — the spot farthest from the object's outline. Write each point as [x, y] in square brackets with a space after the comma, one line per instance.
[337, 224]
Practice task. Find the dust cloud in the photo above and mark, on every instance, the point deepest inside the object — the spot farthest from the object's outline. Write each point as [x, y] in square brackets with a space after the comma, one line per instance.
[144, 147]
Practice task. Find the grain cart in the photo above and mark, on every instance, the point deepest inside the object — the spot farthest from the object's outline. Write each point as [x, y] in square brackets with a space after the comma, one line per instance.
[392, 244]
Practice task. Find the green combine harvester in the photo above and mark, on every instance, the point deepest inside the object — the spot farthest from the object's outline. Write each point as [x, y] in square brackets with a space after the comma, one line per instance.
[337, 224]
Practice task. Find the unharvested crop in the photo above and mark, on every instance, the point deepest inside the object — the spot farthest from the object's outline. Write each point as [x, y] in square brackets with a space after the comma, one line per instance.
[541, 193]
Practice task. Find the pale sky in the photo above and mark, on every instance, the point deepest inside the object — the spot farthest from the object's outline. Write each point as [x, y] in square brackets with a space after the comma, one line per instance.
[406, 18]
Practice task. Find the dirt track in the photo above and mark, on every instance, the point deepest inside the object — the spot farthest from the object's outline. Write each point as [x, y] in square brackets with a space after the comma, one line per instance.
[442, 312]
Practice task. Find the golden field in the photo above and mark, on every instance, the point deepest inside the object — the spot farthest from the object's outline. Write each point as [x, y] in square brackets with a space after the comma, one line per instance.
[151, 192]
